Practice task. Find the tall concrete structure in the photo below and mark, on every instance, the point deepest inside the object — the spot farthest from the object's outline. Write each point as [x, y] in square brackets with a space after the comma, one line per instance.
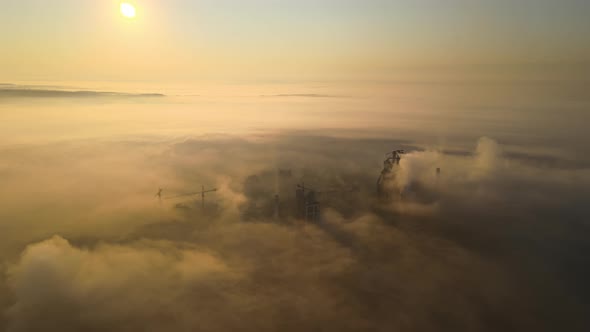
[385, 182]
[308, 207]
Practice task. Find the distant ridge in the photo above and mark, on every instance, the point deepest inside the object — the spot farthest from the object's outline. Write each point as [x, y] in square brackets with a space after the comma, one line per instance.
[17, 91]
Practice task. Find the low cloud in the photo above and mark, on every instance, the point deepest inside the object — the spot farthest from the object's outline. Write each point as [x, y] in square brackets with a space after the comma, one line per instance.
[472, 248]
[58, 286]
[302, 95]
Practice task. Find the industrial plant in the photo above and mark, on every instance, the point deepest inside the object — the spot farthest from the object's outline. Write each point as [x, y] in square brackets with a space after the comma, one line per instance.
[290, 198]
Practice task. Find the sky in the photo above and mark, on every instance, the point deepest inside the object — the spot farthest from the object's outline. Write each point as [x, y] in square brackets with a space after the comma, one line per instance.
[188, 41]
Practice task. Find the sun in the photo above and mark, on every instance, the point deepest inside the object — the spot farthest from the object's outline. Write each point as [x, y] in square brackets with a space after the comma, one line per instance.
[127, 10]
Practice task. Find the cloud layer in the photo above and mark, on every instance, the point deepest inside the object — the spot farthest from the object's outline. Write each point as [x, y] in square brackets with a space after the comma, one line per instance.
[494, 242]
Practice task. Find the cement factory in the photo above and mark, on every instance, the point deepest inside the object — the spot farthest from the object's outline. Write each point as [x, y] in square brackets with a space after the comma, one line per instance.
[294, 199]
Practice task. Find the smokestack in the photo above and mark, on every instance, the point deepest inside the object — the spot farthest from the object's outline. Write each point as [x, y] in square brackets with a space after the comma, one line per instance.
[437, 179]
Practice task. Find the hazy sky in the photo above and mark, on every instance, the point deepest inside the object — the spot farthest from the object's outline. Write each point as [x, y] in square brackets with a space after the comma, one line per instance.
[182, 40]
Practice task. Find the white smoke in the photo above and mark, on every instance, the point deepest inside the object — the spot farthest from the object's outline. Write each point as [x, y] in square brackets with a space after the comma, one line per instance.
[488, 157]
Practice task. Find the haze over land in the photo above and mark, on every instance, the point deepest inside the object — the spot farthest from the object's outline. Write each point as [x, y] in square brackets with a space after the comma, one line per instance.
[253, 99]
